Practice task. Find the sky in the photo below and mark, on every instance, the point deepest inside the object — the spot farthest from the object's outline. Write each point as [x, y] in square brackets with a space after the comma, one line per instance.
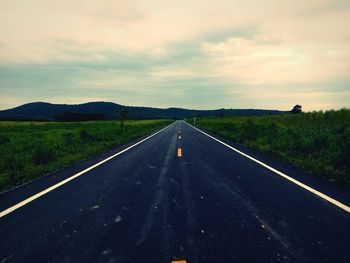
[186, 53]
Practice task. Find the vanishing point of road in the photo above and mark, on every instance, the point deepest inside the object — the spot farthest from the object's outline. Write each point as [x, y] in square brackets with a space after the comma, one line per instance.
[178, 195]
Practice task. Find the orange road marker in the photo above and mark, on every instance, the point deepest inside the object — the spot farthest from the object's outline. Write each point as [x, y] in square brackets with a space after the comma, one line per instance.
[179, 152]
[178, 261]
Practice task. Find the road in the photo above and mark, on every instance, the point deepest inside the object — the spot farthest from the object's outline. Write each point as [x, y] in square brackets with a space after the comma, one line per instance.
[150, 205]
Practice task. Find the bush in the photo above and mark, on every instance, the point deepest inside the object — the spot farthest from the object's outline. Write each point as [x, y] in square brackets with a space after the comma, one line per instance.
[68, 138]
[85, 136]
[4, 139]
[44, 154]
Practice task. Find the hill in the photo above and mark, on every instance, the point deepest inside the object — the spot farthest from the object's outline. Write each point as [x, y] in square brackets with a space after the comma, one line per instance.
[109, 110]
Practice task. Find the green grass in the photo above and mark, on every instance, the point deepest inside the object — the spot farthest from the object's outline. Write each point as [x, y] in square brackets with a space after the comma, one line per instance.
[31, 149]
[318, 142]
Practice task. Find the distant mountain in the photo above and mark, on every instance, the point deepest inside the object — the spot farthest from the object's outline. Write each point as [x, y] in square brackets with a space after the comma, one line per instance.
[109, 110]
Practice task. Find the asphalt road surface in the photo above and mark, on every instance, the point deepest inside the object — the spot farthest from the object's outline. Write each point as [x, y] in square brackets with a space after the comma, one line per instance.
[155, 203]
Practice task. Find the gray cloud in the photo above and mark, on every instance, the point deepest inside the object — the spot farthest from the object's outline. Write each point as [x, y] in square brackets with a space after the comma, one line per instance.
[198, 56]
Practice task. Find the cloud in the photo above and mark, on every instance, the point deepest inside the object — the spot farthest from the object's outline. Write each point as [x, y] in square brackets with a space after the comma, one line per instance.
[191, 54]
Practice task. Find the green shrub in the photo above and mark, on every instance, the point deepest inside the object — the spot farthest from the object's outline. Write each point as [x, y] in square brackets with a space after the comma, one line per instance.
[4, 139]
[44, 154]
[68, 138]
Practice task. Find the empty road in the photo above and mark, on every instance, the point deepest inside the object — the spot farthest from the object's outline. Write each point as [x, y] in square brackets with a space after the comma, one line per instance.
[179, 195]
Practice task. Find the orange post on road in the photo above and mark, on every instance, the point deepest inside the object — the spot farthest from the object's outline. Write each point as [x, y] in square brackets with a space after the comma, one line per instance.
[179, 152]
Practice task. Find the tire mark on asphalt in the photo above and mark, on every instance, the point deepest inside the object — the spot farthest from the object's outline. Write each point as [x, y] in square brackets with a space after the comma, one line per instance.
[231, 190]
[190, 207]
[161, 202]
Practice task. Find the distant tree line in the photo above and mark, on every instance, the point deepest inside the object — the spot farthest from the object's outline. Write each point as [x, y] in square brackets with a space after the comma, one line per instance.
[74, 116]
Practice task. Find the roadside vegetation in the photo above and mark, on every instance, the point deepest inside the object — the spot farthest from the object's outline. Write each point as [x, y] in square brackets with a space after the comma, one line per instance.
[31, 149]
[318, 142]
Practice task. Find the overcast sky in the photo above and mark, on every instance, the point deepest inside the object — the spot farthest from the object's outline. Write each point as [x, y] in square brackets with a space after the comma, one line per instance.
[184, 53]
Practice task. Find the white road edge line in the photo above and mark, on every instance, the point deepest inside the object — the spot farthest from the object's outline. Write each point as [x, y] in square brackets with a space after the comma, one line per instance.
[308, 188]
[51, 188]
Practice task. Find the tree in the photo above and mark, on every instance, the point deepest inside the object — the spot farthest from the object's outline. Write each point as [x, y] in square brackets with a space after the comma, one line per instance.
[297, 109]
[123, 115]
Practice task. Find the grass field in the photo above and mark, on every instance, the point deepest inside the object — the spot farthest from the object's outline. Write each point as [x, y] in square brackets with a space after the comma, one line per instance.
[318, 142]
[31, 149]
